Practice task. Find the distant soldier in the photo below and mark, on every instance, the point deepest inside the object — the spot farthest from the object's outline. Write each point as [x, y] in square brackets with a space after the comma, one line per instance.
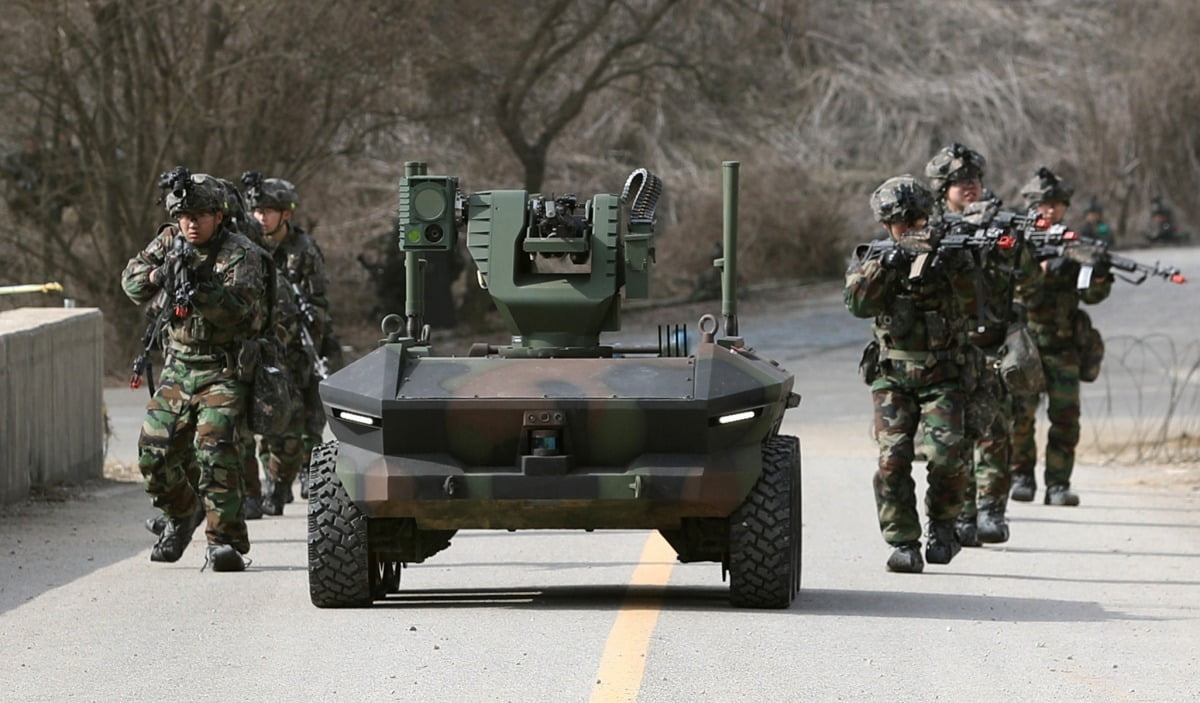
[1055, 322]
[1162, 224]
[299, 262]
[919, 367]
[1094, 226]
[211, 284]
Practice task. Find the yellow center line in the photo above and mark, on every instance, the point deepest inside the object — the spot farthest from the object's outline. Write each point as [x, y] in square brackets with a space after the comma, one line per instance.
[624, 660]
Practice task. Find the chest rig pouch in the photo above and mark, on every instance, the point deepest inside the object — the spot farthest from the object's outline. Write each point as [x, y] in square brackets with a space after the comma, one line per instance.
[899, 322]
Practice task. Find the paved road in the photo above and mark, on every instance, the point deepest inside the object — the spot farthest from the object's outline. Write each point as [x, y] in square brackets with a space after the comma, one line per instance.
[1090, 603]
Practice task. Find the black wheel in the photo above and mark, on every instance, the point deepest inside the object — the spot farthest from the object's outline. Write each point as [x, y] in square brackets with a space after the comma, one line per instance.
[765, 532]
[339, 573]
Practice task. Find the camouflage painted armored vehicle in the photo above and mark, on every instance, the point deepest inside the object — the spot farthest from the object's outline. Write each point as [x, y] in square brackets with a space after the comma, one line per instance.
[554, 430]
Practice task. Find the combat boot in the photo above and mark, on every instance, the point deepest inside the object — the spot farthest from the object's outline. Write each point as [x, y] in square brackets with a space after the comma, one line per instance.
[964, 529]
[176, 536]
[906, 559]
[1024, 487]
[992, 527]
[156, 524]
[941, 542]
[274, 497]
[224, 557]
[252, 508]
[1060, 494]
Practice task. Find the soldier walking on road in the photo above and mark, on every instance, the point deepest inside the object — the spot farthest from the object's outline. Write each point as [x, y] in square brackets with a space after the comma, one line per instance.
[957, 173]
[299, 262]
[1056, 323]
[920, 368]
[211, 284]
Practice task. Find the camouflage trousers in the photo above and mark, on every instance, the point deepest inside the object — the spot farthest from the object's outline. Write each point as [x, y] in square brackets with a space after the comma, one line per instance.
[1062, 390]
[193, 418]
[898, 411]
[250, 476]
[989, 478]
[283, 454]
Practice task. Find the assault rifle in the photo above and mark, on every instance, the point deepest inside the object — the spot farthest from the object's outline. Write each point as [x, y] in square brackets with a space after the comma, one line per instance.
[1057, 240]
[954, 233]
[309, 312]
[176, 290]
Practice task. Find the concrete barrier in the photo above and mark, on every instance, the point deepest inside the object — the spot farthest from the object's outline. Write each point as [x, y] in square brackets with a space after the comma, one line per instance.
[51, 400]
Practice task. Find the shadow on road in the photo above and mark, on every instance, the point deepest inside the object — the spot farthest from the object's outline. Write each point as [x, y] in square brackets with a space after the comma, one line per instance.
[941, 606]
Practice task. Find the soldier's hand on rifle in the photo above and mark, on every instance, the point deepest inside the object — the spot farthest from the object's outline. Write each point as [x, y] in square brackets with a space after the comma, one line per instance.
[894, 259]
[1054, 265]
[159, 275]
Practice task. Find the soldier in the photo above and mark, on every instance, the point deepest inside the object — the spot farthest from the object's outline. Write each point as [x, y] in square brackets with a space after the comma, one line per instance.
[212, 283]
[1053, 317]
[280, 325]
[1094, 226]
[956, 174]
[919, 367]
[300, 264]
[1162, 224]
[990, 416]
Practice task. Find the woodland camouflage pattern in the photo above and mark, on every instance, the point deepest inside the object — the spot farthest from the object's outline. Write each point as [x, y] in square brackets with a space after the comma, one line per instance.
[1052, 320]
[1004, 272]
[197, 408]
[298, 258]
[924, 375]
[643, 445]
[952, 162]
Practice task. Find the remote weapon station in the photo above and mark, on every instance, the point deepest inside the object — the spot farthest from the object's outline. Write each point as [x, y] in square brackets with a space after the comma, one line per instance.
[554, 430]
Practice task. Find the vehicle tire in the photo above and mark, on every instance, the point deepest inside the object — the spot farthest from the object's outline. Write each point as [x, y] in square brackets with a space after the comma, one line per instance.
[339, 574]
[765, 532]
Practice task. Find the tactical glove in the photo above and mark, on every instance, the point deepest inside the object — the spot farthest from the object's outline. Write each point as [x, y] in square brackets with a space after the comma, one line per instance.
[894, 259]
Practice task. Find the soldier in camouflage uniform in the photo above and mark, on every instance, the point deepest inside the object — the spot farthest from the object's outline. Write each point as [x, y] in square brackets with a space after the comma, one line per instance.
[957, 173]
[922, 373]
[300, 264]
[281, 324]
[1094, 226]
[1053, 313]
[196, 411]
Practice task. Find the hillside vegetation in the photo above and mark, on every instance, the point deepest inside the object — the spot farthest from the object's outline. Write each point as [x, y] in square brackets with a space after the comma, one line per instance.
[820, 100]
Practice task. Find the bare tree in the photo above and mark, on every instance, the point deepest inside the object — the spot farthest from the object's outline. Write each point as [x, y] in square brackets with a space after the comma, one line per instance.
[108, 94]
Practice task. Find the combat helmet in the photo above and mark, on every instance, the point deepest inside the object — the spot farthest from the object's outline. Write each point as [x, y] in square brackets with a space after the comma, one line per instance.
[901, 199]
[234, 204]
[952, 163]
[1046, 187]
[1094, 206]
[1158, 206]
[272, 193]
[191, 192]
